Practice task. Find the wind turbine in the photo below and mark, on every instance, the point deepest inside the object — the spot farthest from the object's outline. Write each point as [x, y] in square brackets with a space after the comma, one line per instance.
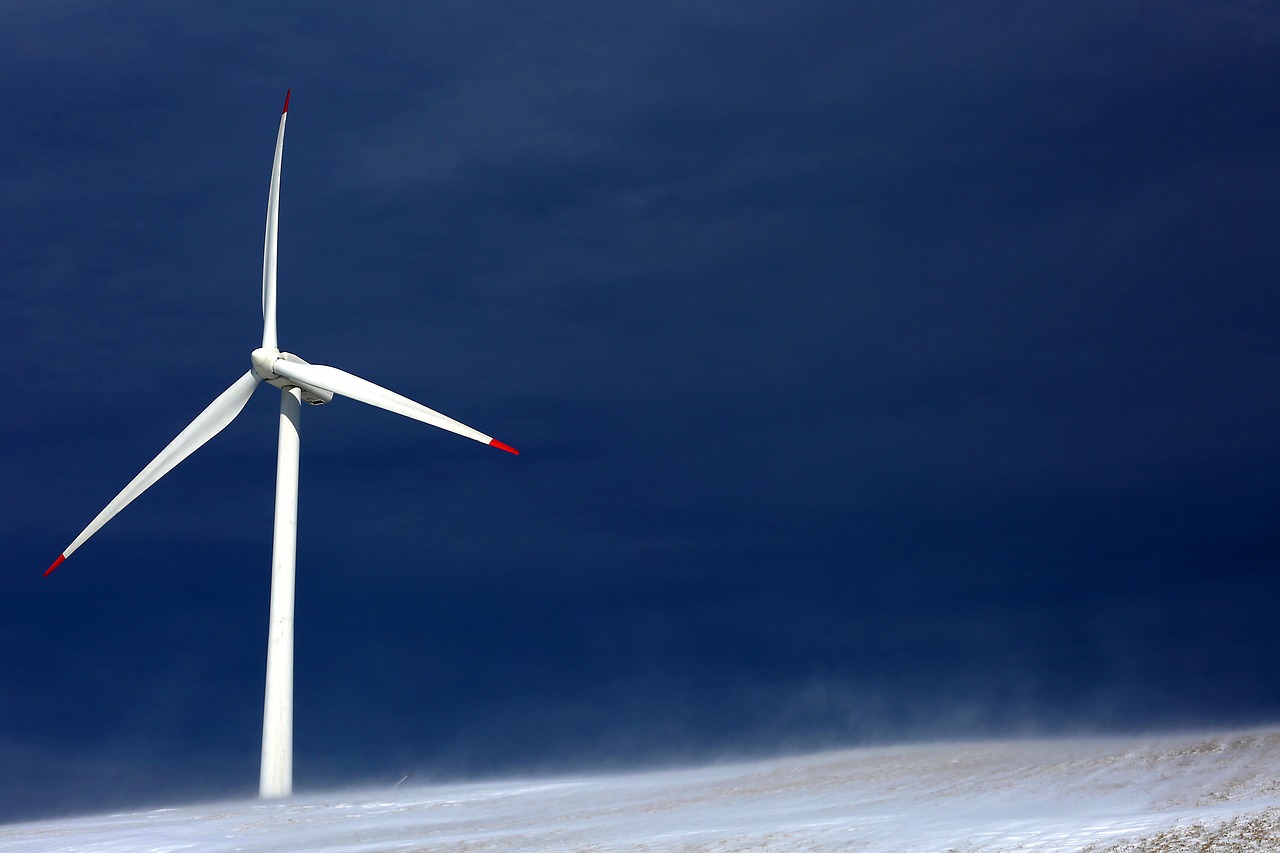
[298, 381]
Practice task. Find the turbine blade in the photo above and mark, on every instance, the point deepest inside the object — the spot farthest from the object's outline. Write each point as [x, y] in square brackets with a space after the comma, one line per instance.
[207, 424]
[269, 243]
[347, 385]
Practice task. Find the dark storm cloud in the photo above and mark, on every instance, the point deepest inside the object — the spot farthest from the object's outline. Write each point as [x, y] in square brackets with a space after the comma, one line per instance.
[879, 373]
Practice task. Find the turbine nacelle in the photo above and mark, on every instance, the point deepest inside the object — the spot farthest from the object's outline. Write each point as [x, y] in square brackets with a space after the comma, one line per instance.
[264, 360]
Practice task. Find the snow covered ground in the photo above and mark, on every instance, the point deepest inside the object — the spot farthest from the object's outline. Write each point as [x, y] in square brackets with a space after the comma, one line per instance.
[1171, 793]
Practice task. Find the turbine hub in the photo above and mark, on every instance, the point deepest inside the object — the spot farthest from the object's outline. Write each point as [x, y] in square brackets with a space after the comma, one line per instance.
[263, 358]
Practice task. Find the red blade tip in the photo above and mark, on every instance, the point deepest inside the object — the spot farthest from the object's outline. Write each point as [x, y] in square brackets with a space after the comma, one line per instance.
[286, 101]
[493, 443]
[56, 563]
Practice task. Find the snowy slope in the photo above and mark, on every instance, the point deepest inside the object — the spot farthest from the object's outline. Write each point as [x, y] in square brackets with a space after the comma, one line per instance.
[1171, 793]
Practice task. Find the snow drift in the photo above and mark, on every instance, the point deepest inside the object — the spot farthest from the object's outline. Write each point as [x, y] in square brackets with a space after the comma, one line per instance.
[1168, 793]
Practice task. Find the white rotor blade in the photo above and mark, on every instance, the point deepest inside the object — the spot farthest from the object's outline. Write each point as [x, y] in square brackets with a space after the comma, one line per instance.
[207, 424]
[269, 244]
[345, 384]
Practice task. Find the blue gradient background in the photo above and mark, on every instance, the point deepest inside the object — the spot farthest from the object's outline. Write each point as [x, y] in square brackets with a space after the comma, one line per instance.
[880, 371]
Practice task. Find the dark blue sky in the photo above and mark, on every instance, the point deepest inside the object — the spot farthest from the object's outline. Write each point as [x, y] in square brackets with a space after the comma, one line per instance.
[879, 372]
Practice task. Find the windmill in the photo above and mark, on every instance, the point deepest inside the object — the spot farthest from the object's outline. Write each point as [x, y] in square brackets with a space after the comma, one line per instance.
[298, 381]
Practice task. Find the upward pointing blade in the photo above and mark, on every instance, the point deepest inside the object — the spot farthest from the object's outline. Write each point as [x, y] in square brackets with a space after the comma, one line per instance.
[269, 244]
[207, 424]
[347, 385]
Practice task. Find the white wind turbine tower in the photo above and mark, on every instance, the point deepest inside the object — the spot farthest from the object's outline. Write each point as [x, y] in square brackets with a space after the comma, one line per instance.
[297, 380]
